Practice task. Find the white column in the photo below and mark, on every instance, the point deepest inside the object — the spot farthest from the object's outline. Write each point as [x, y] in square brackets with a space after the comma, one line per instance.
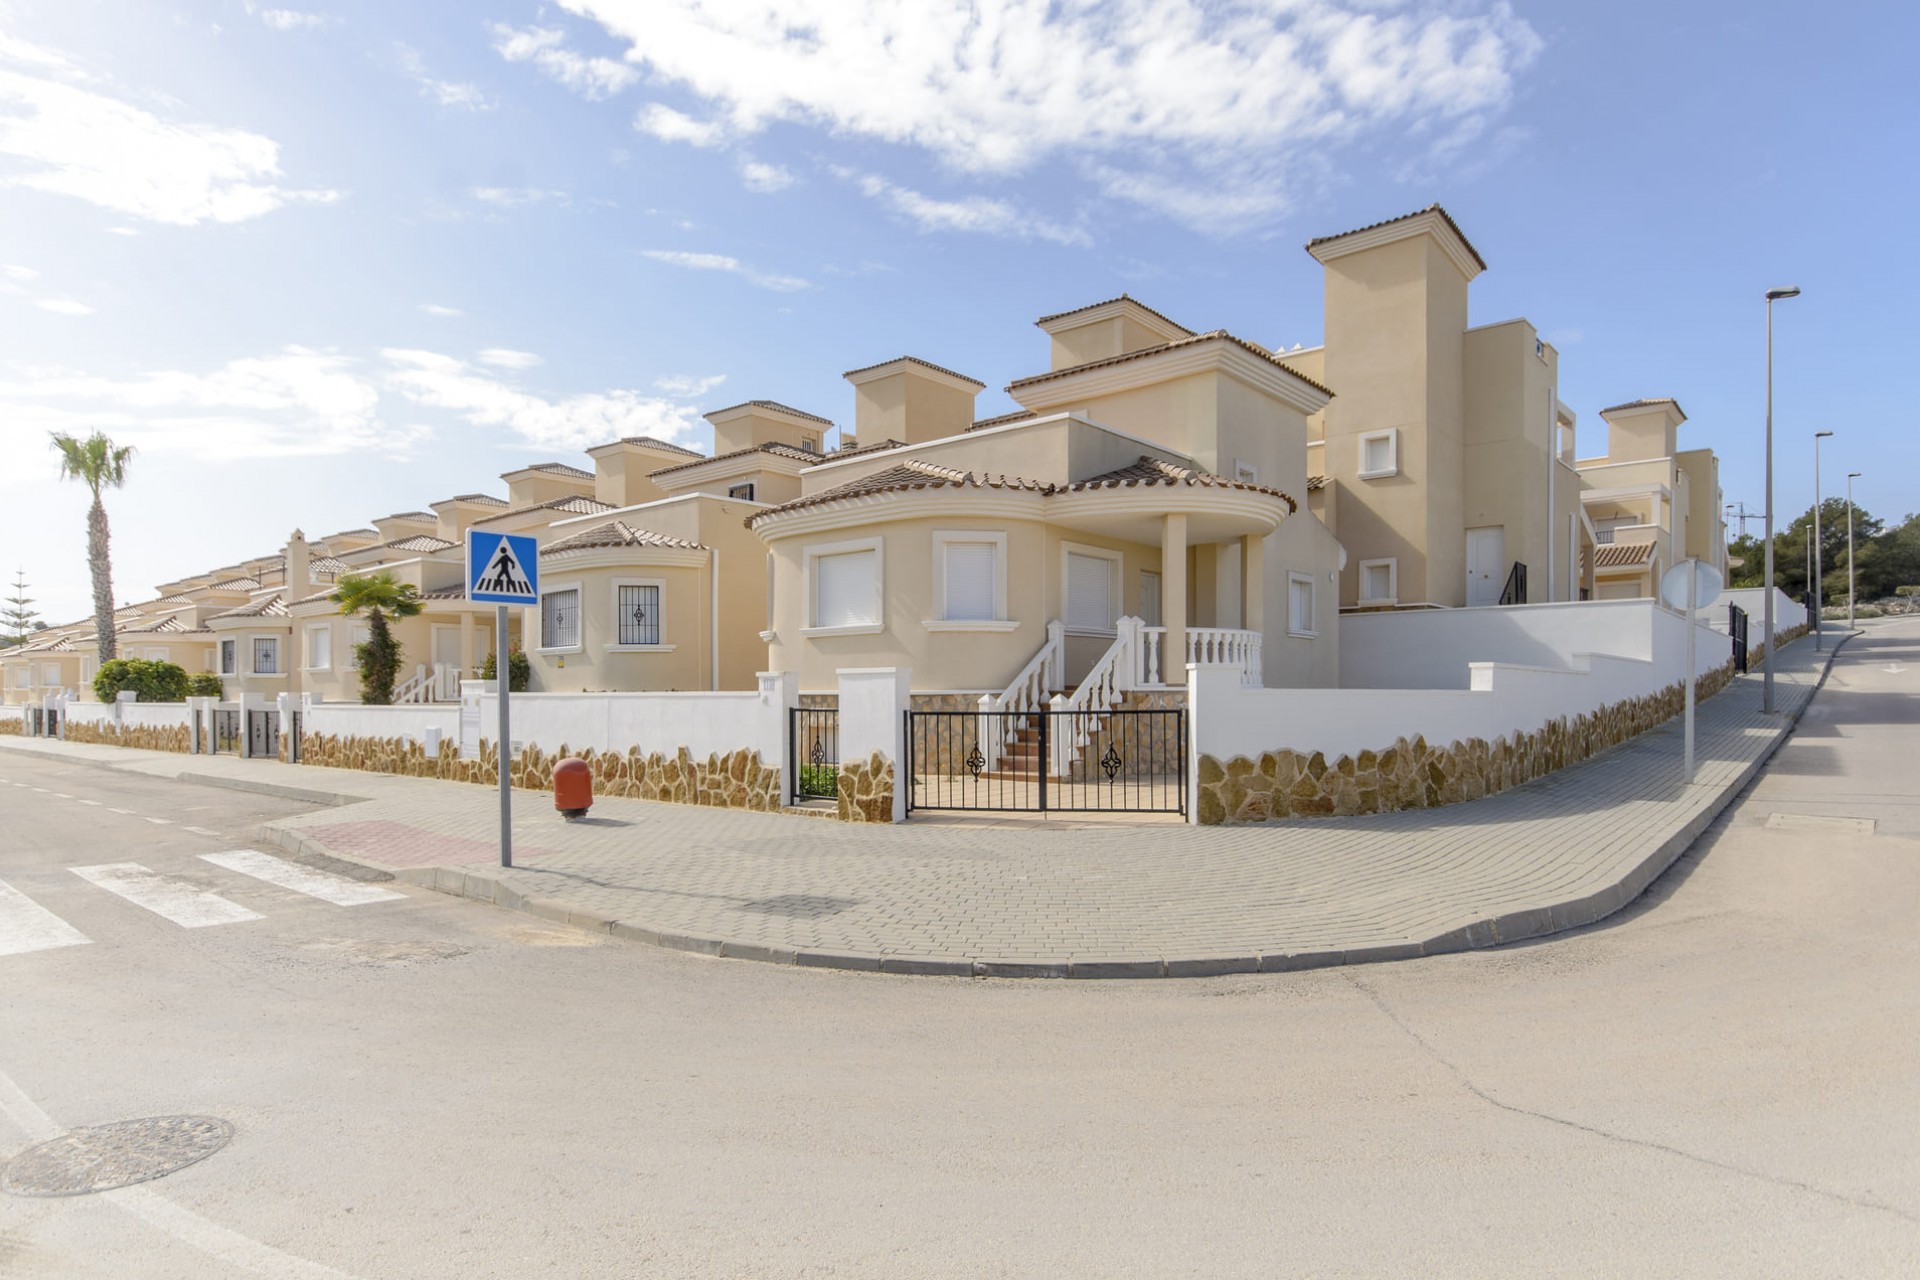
[469, 666]
[873, 706]
[1253, 582]
[1173, 589]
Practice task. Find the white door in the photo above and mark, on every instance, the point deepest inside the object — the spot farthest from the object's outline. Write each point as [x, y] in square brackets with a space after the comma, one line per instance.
[446, 646]
[1150, 597]
[1486, 565]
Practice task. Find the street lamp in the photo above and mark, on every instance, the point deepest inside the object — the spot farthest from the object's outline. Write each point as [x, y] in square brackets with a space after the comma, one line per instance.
[1851, 477]
[1766, 662]
[1816, 593]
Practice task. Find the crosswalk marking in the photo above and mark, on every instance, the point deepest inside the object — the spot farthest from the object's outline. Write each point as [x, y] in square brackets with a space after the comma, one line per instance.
[96, 803]
[208, 831]
[26, 926]
[167, 822]
[289, 875]
[175, 900]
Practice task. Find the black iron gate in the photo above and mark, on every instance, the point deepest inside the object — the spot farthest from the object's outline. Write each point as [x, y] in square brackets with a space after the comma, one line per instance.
[813, 744]
[226, 731]
[1737, 628]
[293, 737]
[263, 734]
[1048, 761]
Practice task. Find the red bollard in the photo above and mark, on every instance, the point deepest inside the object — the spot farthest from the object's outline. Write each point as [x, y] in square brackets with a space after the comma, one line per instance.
[572, 788]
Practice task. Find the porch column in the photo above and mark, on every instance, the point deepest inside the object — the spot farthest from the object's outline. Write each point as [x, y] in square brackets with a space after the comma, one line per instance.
[1253, 582]
[1173, 591]
[468, 669]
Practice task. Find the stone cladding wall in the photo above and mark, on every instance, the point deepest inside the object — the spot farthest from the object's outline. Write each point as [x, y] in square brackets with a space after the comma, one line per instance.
[1420, 775]
[12, 726]
[169, 737]
[866, 790]
[736, 780]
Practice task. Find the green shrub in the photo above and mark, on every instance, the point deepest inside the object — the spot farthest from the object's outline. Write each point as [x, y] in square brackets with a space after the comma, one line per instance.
[819, 779]
[205, 684]
[152, 681]
[519, 670]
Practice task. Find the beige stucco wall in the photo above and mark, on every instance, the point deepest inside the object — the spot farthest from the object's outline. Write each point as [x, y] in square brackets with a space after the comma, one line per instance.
[1511, 394]
[526, 488]
[1705, 534]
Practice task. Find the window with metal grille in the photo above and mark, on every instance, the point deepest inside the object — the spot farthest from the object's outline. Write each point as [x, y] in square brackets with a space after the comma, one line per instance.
[266, 655]
[560, 619]
[741, 491]
[969, 578]
[639, 615]
[229, 657]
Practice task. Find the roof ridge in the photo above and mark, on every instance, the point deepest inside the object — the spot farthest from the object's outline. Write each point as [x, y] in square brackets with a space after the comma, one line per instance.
[1107, 302]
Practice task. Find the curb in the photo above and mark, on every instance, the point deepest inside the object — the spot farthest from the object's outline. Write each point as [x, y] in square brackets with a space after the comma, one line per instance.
[484, 885]
[335, 799]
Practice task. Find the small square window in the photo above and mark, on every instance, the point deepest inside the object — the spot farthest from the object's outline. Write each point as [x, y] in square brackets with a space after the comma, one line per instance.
[1379, 581]
[809, 444]
[266, 655]
[741, 491]
[1300, 613]
[1379, 454]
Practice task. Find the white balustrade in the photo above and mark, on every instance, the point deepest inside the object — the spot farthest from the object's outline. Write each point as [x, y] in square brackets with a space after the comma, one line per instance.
[1228, 646]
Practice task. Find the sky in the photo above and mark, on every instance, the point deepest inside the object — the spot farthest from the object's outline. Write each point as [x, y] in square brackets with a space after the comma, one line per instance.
[324, 262]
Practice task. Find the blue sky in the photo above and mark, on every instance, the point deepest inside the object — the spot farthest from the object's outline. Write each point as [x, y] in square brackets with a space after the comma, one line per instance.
[324, 261]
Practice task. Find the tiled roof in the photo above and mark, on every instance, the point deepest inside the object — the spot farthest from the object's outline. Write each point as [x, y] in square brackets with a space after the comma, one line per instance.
[417, 542]
[759, 404]
[327, 564]
[427, 516]
[773, 447]
[442, 593]
[1094, 306]
[855, 451]
[1217, 335]
[617, 533]
[1019, 416]
[174, 600]
[1432, 208]
[925, 364]
[269, 607]
[575, 505]
[1622, 555]
[1647, 404]
[484, 499]
[1316, 483]
[1158, 471]
[354, 533]
[559, 469]
[236, 584]
[911, 474]
[168, 624]
[654, 442]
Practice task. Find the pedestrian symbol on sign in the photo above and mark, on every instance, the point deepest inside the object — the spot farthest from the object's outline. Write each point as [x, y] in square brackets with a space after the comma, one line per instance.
[505, 576]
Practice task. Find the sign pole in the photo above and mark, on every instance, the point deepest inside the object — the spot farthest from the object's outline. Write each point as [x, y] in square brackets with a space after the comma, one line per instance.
[1693, 592]
[504, 677]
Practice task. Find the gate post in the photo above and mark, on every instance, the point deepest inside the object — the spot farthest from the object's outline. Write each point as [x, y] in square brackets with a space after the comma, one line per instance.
[874, 702]
[779, 695]
[1212, 688]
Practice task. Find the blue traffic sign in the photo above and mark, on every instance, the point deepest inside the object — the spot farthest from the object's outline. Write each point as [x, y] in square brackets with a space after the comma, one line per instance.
[502, 568]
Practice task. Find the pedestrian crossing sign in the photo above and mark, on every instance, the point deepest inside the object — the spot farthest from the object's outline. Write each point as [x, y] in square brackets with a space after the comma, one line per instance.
[502, 568]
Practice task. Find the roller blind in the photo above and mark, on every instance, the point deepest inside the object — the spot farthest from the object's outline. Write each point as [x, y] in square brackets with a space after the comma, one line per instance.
[846, 589]
[969, 572]
[1089, 592]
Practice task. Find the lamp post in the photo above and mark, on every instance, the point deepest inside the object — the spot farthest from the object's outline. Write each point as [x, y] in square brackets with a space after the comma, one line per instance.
[1766, 661]
[1814, 582]
[1851, 477]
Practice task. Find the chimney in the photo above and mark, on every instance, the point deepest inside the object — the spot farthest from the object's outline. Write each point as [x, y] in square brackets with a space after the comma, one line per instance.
[909, 400]
[299, 576]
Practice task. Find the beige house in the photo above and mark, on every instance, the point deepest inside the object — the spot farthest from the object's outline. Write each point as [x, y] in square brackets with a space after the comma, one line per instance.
[1445, 464]
[1651, 503]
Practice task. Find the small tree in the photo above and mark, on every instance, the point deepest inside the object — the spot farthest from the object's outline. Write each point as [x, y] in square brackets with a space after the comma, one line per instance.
[205, 684]
[152, 681]
[99, 464]
[377, 595]
[519, 670]
[17, 619]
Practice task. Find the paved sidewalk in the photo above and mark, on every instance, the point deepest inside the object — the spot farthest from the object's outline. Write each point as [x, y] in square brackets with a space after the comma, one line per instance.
[1053, 899]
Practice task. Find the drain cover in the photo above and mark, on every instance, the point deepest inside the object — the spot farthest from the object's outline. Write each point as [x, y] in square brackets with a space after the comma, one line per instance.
[1820, 822]
[104, 1156]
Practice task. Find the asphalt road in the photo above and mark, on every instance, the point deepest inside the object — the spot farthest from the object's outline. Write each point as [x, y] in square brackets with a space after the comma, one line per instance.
[1721, 1082]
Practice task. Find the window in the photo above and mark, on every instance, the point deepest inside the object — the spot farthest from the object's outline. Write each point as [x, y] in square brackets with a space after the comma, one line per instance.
[846, 589]
[266, 655]
[359, 633]
[1089, 589]
[1379, 581]
[50, 673]
[741, 491]
[810, 444]
[969, 581]
[154, 653]
[1379, 454]
[229, 657]
[560, 619]
[1300, 616]
[319, 648]
[639, 613]
[1245, 472]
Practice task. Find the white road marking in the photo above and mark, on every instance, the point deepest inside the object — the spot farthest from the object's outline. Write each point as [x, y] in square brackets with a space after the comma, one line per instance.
[129, 812]
[96, 803]
[338, 890]
[186, 906]
[147, 1204]
[208, 831]
[61, 795]
[167, 822]
[26, 926]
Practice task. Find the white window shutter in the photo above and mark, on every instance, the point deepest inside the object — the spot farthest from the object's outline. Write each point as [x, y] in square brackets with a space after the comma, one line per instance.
[969, 571]
[846, 589]
[1089, 592]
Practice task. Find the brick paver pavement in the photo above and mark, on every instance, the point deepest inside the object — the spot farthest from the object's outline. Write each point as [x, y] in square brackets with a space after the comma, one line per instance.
[1082, 899]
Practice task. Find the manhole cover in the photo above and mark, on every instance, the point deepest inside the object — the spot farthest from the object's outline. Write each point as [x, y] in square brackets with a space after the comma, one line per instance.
[104, 1156]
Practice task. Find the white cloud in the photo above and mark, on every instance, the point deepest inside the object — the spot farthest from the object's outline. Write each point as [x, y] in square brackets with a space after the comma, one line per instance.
[445, 313]
[668, 125]
[1209, 111]
[724, 263]
[545, 47]
[507, 358]
[764, 178]
[514, 197]
[446, 93]
[975, 213]
[570, 422]
[289, 19]
[78, 142]
[122, 231]
[64, 306]
[687, 387]
[9, 271]
[295, 402]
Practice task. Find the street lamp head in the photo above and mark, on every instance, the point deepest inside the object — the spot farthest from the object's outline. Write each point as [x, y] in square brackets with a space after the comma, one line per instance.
[1855, 475]
[1784, 291]
[1821, 435]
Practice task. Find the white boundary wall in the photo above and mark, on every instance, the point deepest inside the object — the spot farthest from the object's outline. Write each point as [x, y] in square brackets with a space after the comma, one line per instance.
[1788, 613]
[14, 712]
[156, 715]
[357, 720]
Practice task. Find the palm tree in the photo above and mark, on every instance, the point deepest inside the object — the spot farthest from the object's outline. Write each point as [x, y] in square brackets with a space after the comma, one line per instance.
[99, 464]
[378, 595]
